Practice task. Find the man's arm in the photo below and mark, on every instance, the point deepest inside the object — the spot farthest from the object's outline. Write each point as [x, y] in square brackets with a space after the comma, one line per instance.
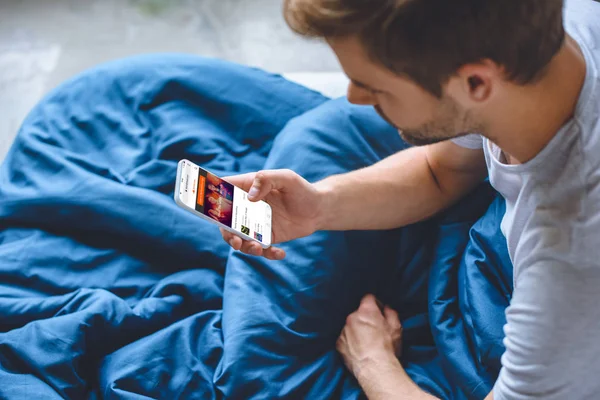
[391, 383]
[405, 188]
[400, 190]
[370, 344]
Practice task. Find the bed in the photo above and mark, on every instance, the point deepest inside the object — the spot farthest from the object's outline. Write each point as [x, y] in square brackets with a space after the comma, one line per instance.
[109, 290]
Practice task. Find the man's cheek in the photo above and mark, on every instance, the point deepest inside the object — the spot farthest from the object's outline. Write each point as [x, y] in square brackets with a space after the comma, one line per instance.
[385, 116]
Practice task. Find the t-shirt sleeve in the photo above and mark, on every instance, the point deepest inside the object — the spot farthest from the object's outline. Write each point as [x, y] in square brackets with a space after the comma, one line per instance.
[552, 333]
[552, 341]
[472, 141]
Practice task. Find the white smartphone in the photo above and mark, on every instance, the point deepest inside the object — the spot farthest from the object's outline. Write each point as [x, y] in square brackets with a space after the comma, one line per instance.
[217, 201]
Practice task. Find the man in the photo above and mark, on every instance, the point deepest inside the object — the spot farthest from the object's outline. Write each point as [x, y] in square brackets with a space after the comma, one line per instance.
[528, 85]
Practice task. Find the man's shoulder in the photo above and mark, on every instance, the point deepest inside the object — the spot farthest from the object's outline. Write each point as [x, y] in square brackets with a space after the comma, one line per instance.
[581, 20]
[581, 10]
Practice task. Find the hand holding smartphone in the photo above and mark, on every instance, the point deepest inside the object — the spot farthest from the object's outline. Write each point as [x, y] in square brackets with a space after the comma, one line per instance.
[295, 206]
[217, 201]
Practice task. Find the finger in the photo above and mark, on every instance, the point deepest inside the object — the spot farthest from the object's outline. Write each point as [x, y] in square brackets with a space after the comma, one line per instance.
[243, 181]
[380, 304]
[267, 181]
[391, 316]
[274, 253]
[233, 240]
[252, 248]
[368, 303]
[227, 236]
[237, 243]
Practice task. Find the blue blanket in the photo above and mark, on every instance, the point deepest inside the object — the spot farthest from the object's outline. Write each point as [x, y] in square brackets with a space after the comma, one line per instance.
[109, 290]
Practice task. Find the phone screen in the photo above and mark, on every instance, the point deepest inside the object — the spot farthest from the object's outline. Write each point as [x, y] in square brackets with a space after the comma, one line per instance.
[212, 196]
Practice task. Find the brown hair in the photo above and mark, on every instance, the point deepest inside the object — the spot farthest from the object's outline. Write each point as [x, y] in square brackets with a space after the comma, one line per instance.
[429, 40]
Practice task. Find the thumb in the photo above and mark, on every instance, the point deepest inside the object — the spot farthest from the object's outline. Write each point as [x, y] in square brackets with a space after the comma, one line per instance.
[267, 181]
[369, 304]
[391, 316]
[243, 181]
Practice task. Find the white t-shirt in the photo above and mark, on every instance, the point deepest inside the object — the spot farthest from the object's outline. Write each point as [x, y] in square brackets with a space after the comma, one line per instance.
[552, 228]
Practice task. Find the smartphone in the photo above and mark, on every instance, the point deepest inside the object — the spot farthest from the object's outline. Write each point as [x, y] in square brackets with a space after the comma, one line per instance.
[217, 201]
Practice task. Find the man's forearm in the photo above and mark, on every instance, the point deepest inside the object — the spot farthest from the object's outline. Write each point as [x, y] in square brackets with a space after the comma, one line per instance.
[397, 191]
[390, 382]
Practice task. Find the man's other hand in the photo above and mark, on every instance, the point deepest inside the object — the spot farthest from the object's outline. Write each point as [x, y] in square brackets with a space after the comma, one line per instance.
[372, 337]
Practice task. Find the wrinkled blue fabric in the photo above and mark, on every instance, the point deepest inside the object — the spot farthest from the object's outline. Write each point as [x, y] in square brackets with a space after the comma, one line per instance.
[109, 290]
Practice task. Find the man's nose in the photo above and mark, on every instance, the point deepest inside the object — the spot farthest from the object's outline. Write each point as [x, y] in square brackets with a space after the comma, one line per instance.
[360, 96]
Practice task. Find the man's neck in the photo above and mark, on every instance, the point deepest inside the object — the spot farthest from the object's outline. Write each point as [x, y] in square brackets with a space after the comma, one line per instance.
[535, 113]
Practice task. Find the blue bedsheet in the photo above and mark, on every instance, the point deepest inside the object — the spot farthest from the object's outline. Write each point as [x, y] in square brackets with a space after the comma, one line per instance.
[109, 290]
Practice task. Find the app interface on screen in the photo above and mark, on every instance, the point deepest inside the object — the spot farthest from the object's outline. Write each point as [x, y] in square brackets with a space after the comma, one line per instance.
[225, 203]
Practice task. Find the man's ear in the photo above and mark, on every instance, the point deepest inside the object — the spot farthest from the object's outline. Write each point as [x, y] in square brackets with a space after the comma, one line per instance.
[475, 83]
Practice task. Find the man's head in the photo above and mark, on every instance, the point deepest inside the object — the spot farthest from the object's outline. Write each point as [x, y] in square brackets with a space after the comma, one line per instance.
[434, 67]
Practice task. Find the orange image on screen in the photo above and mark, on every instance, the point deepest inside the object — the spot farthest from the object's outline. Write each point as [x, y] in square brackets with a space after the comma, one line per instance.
[200, 197]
